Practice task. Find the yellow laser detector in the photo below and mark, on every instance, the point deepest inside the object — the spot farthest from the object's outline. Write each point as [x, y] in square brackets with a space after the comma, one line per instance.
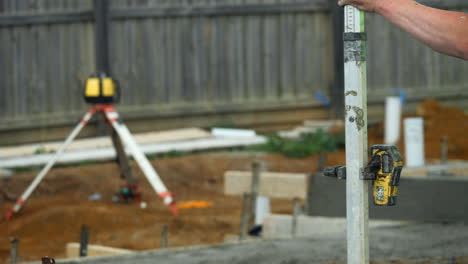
[384, 170]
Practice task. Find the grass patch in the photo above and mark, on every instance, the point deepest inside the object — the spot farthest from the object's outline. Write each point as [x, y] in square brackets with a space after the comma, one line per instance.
[169, 154]
[306, 145]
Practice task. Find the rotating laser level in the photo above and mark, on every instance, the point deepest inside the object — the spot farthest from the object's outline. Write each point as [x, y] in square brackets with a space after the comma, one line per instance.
[101, 89]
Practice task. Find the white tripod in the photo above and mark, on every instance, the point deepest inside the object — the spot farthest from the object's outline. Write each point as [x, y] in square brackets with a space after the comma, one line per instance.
[124, 134]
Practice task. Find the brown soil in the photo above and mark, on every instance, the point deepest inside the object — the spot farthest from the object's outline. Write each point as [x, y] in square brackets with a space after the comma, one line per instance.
[439, 121]
[59, 207]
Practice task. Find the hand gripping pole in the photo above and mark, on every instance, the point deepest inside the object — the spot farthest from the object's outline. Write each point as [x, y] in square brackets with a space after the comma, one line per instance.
[22, 199]
[148, 170]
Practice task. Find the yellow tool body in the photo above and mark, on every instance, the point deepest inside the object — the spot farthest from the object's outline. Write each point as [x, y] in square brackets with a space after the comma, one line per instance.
[383, 169]
[101, 89]
[386, 165]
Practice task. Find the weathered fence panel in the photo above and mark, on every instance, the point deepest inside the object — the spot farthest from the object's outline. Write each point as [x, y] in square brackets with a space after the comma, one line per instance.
[398, 61]
[196, 57]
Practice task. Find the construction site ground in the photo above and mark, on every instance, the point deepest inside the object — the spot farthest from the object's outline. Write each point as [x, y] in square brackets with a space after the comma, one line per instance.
[60, 206]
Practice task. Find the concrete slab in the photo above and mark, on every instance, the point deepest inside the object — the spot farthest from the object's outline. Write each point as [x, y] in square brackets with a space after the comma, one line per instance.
[387, 243]
[272, 184]
[437, 198]
[458, 168]
[280, 226]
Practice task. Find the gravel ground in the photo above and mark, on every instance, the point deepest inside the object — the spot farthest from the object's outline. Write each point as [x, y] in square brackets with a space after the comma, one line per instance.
[407, 243]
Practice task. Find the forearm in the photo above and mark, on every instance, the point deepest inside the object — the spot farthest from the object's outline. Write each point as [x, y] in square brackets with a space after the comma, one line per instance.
[444, 31]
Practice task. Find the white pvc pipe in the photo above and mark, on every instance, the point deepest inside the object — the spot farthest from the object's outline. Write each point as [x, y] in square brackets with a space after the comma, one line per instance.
[392, 120]
[230, 132]
[262, 209]
[414, 142]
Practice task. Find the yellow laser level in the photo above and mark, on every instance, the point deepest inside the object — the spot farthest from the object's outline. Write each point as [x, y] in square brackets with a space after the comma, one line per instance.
[101, 89]
[384, 169]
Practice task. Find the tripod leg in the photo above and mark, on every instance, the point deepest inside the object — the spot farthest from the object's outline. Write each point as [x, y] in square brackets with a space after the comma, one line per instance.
[19, 203]
[141, 159]
[122, 160]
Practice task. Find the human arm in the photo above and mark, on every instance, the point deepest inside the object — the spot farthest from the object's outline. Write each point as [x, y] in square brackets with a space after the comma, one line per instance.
[443, 31]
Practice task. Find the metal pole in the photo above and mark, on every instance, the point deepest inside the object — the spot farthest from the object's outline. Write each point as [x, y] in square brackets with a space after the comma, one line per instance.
[101, 37]
[101, 20]
[164, 234]
[84, 241]
[244, 216]
[357, 208]
[14, 241]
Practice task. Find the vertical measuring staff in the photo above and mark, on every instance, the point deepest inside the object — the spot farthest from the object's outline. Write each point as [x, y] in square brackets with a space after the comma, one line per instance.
[357, 209]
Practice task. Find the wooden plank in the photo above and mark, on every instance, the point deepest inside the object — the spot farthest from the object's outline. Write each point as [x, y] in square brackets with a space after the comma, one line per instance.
[47, 18]
[238, 56]
[109, 153]
[272, 184]
[8, 75]
[253, 59]
[187, 92]
[270, 55]
[73, 250]
[221, 10]
[105, 142]
[302, 48]
[288, 67]
[198, 59]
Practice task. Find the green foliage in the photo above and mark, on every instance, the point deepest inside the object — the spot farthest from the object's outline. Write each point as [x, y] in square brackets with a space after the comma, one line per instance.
[306, 145]
[43, 150]
[169, 154]
[27, 169]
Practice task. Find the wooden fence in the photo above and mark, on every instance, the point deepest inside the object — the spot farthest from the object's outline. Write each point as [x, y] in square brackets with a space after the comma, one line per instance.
[199, 57]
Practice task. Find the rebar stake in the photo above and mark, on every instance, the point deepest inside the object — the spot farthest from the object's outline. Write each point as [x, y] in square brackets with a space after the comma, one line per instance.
[14, 242]
[164, 236]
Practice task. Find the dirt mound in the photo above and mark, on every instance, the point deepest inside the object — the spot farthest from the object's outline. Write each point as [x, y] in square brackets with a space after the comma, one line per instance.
[439, 121]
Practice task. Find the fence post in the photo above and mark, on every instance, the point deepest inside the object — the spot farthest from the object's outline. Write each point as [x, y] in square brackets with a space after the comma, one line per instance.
[14, 242]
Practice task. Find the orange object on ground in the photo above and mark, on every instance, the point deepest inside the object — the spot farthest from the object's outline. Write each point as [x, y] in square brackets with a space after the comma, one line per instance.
[194, 204]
